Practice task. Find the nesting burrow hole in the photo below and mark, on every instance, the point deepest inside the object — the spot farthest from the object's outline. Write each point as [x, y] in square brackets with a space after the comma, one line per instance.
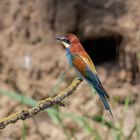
[103, 49]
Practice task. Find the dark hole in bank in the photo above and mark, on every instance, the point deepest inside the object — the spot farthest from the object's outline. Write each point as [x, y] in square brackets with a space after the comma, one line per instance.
[103, 49]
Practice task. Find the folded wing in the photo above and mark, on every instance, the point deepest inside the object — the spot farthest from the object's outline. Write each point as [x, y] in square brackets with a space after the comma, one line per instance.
[85, 66]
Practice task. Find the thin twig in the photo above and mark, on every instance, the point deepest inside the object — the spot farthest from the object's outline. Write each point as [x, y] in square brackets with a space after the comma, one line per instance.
[41, 105]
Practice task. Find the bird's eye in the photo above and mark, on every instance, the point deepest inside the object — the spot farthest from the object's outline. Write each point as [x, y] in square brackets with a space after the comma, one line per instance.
[67, 41]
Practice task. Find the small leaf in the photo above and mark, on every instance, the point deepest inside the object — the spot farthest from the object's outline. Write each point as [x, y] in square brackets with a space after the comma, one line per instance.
[100, 119]
[23, 131]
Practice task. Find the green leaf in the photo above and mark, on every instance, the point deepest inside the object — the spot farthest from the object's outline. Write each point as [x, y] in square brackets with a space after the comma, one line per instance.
[54, 115]
[23, 131]
[84, 122]
[100, 119]
[19, 97]
[127, 102]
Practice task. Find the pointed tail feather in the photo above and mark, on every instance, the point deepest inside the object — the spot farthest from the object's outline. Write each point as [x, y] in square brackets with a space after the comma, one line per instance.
[107, 107]
[94, 81]
[102, 93]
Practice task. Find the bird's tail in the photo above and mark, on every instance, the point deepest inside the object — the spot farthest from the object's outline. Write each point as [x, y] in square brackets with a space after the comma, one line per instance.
[103, 94]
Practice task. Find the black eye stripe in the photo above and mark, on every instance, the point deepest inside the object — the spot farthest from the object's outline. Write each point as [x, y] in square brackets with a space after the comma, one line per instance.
[66, 40]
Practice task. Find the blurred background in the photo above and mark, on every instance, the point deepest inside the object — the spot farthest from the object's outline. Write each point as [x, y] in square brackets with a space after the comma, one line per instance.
[33, 66]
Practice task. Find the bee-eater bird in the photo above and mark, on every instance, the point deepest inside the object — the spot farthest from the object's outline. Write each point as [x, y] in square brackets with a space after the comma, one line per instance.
[80, 60]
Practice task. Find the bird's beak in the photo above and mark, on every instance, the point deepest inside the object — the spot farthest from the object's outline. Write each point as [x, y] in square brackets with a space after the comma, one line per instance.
[60, 38]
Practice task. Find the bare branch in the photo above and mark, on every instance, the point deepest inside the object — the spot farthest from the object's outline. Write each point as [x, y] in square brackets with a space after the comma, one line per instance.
[43, 104]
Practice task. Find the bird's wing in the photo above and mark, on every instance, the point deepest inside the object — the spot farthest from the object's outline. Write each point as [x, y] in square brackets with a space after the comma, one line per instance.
[84, 67]
[91, 77]
[88, 61]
